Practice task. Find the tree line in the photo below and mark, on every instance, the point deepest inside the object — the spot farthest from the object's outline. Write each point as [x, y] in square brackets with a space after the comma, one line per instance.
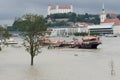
[73, 17]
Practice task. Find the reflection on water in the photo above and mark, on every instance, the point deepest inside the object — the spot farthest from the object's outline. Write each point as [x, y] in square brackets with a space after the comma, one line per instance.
[32, 73]
[62, 64]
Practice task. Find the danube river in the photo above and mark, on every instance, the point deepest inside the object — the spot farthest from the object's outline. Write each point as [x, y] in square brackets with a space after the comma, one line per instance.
[63, 64]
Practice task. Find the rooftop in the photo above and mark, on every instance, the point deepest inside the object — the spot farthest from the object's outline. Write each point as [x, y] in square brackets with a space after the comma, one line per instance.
[61, 7]
[116, 21]
[108, 25]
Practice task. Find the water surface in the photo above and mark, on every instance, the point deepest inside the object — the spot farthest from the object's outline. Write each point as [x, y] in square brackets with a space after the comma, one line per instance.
[62, 64]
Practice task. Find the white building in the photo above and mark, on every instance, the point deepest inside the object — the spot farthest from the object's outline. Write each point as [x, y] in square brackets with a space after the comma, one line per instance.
[65, 31]
[116, 30]
[103, 15]
[59, 9]
[116, 26]
[82, 27]
[106, 28]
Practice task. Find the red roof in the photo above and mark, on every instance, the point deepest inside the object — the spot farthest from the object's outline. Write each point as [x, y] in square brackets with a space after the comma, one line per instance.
[115, 20]
[64, 7]
[61, 7]
[52, 8]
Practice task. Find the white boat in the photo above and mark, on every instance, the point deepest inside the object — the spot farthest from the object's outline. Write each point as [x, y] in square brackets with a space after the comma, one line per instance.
[11, 41]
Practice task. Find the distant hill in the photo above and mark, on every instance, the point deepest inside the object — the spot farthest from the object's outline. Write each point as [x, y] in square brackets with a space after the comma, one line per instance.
[73, 17]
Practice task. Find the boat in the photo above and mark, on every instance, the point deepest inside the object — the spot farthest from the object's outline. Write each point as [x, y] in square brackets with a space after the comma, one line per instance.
[60, 44]
[10, 41]
[90, 42]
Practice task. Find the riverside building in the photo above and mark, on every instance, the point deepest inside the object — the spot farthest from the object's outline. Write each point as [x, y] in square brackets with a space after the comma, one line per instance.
[105, 28]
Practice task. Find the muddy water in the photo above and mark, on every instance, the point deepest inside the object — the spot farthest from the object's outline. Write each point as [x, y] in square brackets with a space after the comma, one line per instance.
[63, 64]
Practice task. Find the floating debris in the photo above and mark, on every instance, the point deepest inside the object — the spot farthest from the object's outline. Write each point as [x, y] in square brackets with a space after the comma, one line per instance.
[75, 54]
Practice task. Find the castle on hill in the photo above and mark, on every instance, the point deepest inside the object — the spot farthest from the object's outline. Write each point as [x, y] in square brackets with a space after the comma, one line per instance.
[59, 9]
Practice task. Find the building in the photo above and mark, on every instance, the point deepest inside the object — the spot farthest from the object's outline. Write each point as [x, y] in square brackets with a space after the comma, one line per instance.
[59, 9]
[116, 26]
[116, 30]
[79, 27]
[110, 18]
[103, 15]
[82, 27]
[65, 31]
[106, 28]
[116, 21]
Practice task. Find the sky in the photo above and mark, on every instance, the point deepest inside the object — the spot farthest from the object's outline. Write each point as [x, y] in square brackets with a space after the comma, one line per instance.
[10, 9]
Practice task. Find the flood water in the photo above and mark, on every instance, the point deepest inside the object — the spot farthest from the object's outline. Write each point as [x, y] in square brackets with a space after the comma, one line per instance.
[63, 64]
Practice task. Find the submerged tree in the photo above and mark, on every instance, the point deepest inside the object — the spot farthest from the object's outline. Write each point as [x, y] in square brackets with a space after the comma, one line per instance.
[1, 35]
[1, 32]
[4, 34]
[112, 68]
[32, 27]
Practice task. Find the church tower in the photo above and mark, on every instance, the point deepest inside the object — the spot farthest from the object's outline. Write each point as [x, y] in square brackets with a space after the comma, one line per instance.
[103, 14]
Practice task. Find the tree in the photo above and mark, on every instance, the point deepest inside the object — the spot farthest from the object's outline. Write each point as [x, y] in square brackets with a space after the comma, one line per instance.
[1, 35]
[72, 17]
[6, 34]
[118, 16]
[32, 27]
[108, 16]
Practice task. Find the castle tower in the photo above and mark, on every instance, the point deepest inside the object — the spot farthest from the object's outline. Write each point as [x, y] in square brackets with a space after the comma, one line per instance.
[57, 9]
[49, 7]
[103, 14]
[71, 8]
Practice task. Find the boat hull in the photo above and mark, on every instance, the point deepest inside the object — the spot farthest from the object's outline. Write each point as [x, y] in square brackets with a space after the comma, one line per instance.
[93, 45]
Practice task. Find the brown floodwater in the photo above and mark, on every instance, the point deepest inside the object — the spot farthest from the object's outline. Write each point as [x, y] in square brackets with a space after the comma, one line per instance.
[63, 64]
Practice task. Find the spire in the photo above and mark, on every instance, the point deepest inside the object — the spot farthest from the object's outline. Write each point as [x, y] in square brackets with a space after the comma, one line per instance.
[103, 14]
[103, 8]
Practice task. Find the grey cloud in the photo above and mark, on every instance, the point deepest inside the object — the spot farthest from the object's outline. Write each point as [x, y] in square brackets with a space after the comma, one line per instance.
[9, 9]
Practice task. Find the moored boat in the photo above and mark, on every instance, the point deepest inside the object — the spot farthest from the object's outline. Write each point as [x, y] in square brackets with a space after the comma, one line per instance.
[90, 42]
[10, 41]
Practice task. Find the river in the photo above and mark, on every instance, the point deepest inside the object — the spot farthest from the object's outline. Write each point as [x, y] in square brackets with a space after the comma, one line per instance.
[63, 64]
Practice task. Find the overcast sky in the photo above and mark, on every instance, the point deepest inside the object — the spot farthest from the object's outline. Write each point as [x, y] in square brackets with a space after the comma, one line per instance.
[9, 9]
